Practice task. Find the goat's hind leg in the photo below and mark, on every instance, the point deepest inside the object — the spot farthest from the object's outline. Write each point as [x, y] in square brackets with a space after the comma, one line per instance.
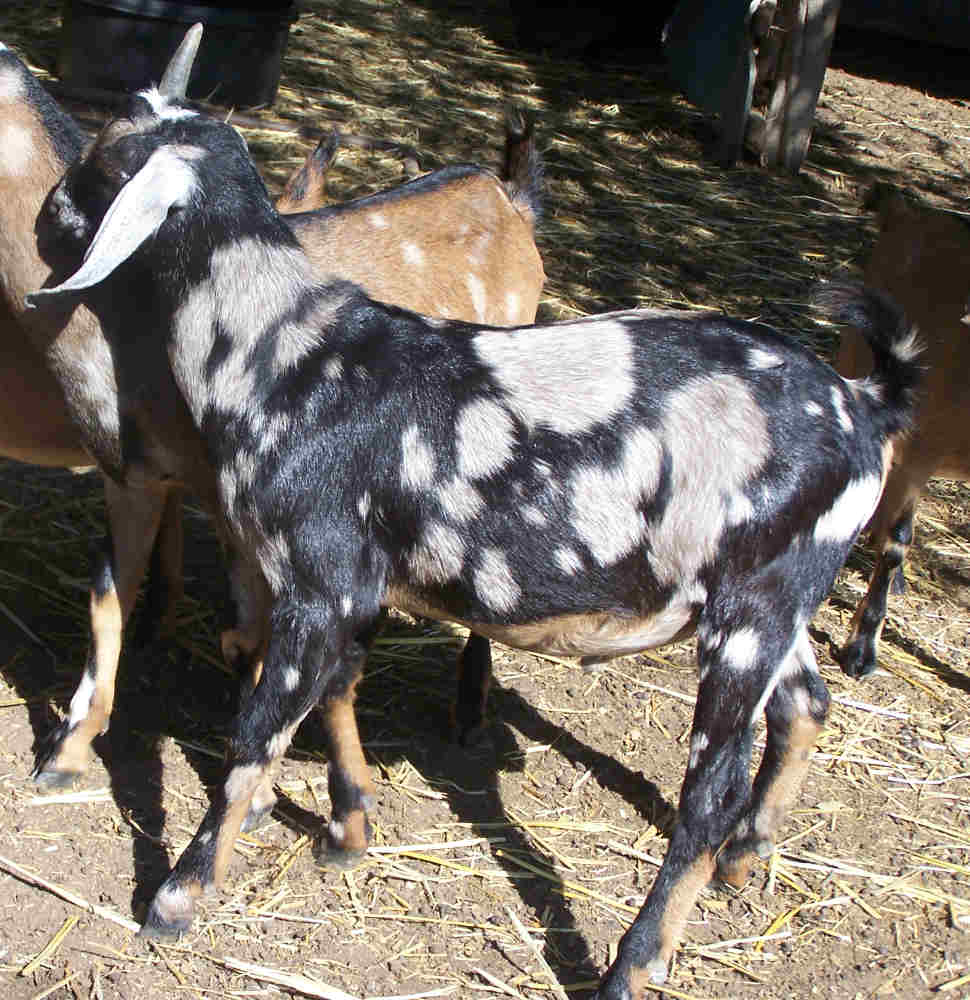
[737, 670]
[795, 714]
[134, 517]
[858, 656]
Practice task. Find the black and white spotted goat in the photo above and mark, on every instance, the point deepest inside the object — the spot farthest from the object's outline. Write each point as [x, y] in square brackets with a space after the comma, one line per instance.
[595, 487]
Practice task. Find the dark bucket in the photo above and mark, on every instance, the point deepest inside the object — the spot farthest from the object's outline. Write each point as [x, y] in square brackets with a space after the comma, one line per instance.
[124, 45]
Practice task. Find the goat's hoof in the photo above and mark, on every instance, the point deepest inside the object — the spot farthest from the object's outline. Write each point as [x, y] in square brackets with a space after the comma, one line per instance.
[623, 982]
[857, 658]
[329, 855]
[157, 928]
[471, 736]
[734, 872]
[51, 780]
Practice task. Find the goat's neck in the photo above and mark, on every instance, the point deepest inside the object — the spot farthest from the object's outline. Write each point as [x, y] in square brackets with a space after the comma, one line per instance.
[235, 332]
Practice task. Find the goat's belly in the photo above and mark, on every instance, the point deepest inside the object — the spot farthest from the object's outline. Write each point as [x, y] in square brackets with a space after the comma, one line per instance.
[598, 635]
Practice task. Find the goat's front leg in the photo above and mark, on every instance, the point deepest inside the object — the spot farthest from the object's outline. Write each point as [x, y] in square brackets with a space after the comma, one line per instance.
[307, 656]
[737, 669]
[795, 714]
[134, 517]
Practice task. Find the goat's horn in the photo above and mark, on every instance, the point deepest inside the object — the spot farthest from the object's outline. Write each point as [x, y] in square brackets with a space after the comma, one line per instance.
[175, 79]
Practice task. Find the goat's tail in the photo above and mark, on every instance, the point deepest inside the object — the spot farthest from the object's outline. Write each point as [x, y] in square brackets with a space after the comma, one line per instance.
[522, 170]
[893, 385]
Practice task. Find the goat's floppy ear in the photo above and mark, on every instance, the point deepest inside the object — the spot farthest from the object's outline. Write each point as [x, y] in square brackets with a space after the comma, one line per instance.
[175, 79]
[166, 181]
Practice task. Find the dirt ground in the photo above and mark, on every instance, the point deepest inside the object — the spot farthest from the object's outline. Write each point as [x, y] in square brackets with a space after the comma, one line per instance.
[512, 868]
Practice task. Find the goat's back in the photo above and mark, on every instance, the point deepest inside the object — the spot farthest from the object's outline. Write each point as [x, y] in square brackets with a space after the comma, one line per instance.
[449, 244]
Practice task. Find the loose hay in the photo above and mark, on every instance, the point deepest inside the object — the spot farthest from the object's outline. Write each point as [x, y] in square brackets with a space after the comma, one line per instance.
[556, 824]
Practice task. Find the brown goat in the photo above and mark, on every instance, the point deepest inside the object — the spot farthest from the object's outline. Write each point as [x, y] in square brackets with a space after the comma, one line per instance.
[457, 243]
[922, 259]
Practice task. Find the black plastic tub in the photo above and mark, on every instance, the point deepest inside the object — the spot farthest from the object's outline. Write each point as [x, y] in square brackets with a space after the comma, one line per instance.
[124, 45]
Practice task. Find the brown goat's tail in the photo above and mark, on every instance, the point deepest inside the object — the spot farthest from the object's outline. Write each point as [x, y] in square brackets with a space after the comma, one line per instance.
[522, 170]
[893, 386]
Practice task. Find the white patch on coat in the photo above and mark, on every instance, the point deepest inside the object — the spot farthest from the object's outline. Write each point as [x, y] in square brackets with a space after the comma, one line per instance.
[534, 515]
[760, 359]
[838, 403]
[363, 505]
[792, 662]
[851, 510]
[495, 585]
[252, 286]
[606, 501]
[439, 555]
[699, 742]
[346, 605]
[11, 84]
[291, 677]
[81, 701]
[17, 150]
[274, 559]
[717, 437]
[377, 221]
[459, 500]
[484, 438]
[476, 289]
[275, 428]
[413, 254]
[513, 305]
[417, 460]
[278, 743]
[813, 409]
[568, 560]
[741, 648]
[566, 378]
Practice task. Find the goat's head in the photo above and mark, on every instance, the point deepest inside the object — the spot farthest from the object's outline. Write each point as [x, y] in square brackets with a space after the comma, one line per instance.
[150, 174]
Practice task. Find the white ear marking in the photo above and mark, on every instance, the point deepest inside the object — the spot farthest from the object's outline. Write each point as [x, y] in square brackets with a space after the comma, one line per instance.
[166, 181]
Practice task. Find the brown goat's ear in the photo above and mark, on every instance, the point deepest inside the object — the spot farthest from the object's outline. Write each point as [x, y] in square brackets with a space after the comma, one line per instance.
[175, 79]
[166, 181]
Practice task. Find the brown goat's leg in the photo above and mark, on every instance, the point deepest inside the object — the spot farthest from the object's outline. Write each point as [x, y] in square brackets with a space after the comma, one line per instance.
[165, 578]
[795, 713]
[134, 517]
